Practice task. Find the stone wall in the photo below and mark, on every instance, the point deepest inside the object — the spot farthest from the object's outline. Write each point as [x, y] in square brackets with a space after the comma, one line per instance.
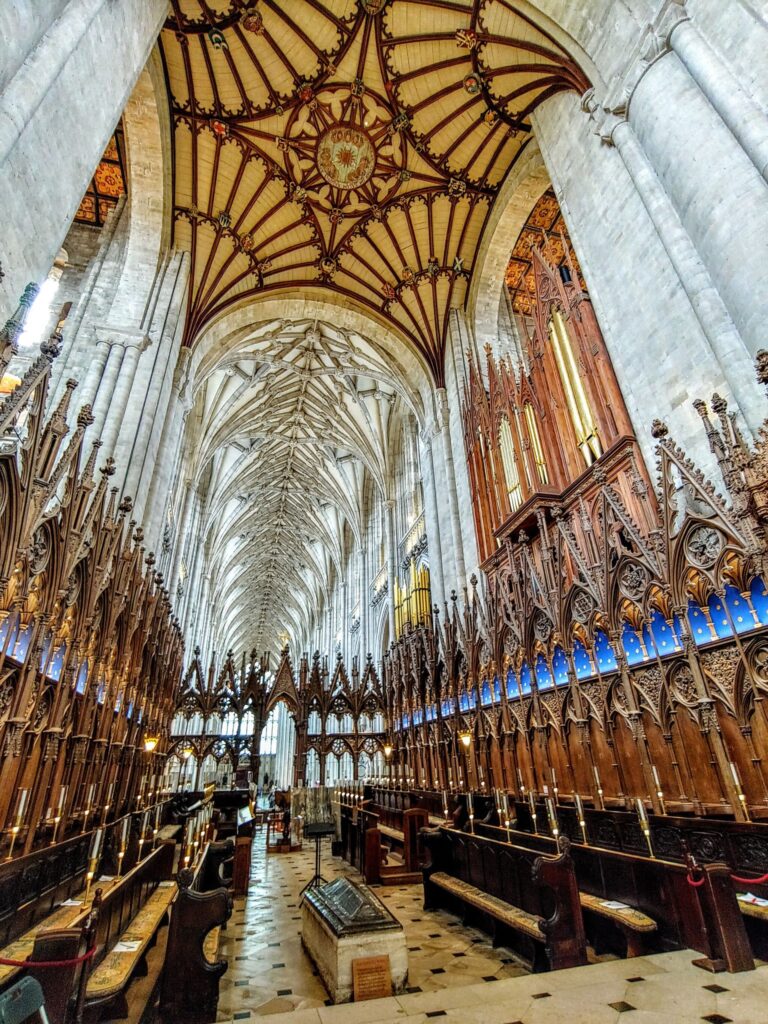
[57, 113]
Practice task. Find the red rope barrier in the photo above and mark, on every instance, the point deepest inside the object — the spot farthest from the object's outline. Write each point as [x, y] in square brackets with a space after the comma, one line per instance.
[49, 963]
[751, 881]
[692, 881]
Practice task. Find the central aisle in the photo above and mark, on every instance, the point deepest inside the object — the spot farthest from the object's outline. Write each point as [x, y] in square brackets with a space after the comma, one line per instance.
[269, 972]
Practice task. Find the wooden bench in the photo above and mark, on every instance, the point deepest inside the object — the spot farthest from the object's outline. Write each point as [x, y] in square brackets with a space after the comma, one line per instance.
[663, 906]
[754, 910]
[511, 891]
[392, 833]
[633, 923]
[513, 917]
[21, 949]
[131, 910]
[109, 982]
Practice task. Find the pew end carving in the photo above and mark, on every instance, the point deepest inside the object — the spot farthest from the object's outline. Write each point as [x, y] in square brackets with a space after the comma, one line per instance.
[193, 969]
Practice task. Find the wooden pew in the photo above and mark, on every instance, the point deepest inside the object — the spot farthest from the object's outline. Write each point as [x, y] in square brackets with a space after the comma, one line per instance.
[190, 983]
[398, 821]
[527, 901]
[132, 912]
[663, 911]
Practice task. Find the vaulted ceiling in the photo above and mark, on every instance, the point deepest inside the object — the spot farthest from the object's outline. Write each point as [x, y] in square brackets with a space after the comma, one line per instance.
[350, 146]
[297, 421]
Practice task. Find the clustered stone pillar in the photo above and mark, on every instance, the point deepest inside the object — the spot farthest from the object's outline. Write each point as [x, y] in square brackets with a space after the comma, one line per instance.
[706, 302]
[133, 347]
[391, 564]
[450, 485]
[743, 117]
[61, 85]
[432, 518]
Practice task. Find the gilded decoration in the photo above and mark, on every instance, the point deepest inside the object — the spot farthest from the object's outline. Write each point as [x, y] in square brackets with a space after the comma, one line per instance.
[342, 154]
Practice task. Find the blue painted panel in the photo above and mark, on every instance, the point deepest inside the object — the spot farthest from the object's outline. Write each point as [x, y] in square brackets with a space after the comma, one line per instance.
[606, 659]
[700, 628]
[719, 616]
[82, 676]
[513, 690]
[525, 678]
[560, 666]
[582, 661]
[741, 613]
[663, 634]
[759, 593]
[632, 646]
[544, 679]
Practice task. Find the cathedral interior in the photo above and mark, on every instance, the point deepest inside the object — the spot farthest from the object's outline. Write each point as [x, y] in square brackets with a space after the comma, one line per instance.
[384, 511]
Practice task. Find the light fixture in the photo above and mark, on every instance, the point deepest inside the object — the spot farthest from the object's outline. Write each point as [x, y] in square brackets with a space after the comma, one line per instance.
[466, 738]
[150, 742]
[387, 750]
[187, 752]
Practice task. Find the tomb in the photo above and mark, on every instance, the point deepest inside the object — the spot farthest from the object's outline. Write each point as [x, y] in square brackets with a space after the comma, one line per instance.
[342, 922]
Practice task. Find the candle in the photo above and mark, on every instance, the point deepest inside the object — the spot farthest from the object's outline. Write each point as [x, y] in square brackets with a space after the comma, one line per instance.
[96, 841]
[599, 787]
[644, 824]
[552, 817]
[21, 805]
[532, 806]
[640, 805]
[582, 820]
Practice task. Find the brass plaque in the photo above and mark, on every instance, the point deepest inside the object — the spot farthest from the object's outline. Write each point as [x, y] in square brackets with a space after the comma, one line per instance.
[371, 978]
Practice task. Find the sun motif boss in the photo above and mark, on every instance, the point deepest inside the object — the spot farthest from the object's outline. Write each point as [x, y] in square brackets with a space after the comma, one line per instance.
[345, 156]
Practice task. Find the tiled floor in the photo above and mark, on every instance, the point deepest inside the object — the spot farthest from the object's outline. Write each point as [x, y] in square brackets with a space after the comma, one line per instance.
[451, 969]
[269, 972]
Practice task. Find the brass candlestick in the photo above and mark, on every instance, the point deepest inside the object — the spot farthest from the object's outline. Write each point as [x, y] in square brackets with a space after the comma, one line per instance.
[644, 823]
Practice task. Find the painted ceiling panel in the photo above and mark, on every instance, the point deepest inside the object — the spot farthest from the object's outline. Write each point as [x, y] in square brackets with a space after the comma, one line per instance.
[353, 146]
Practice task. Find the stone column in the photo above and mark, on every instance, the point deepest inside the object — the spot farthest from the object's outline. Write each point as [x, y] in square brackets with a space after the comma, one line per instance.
[344, 616]
[90, 385]
[432, 521]
[744, 118]
[389, 505]
[105, 387]
[450, 482]
[63, 85]
[706, 302]
[177, 550]
[710, 182]
[134, 346]
[362, 571]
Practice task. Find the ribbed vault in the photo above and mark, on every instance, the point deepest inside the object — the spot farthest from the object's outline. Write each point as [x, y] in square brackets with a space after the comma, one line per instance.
[293, 422]
[352, 146]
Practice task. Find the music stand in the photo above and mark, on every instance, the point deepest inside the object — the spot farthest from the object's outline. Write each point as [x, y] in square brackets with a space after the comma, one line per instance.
[318, 832]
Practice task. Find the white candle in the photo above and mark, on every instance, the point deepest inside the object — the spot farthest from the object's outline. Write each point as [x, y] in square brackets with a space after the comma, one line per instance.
[21, 806]
[639, 803]
[98, 837]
